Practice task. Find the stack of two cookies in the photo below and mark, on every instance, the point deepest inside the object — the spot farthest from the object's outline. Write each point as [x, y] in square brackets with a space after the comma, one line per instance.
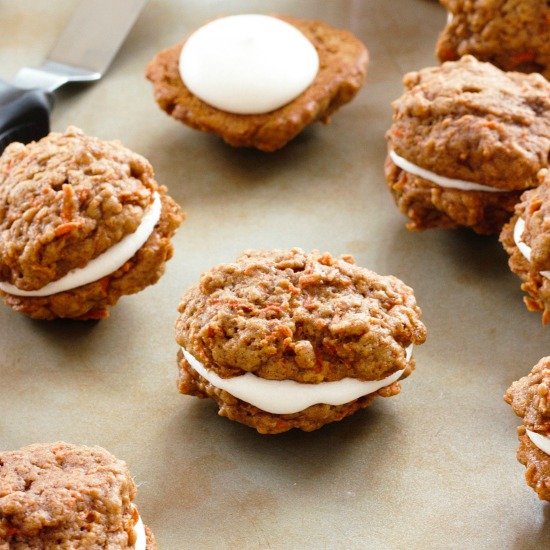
[286, 339]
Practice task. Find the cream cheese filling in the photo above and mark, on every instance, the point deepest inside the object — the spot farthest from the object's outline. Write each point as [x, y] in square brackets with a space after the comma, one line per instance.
[443, 181]
[522, 247]
[107, 262]
[248, 64]
[139, 530]
[540, 441]
[141, 539]
[289, 396]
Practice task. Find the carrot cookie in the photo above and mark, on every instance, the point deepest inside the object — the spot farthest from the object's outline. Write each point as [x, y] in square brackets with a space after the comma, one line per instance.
[285, 339]
[83, 222]
[511, 34]
[526, 238]
[467, 139]
[257, 80]
[529, 398]
[68, 496]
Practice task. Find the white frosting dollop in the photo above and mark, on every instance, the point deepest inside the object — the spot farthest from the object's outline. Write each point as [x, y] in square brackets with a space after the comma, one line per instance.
[109, 261]
[248, 64]
[522, 247]
[540, 441]
[141, 538]
[443, 181]
[289, 396]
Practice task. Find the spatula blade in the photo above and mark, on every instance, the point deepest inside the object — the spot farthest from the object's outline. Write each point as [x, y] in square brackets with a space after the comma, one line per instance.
[95, 33]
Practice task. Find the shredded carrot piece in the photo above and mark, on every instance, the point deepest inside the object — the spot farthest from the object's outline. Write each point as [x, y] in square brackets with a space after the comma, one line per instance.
[522, 57]
[95, 315]
[104, 284]
[68, 202]
[447, 54]
[66, 228]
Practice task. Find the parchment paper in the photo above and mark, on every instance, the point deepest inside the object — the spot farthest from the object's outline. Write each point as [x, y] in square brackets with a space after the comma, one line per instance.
[433, 467]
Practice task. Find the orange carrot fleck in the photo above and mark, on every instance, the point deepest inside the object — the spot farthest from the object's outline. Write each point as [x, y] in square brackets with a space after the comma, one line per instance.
[95, 315]
[522, 57]
[66, 228]
[68, 202]
[447, 54]
[104, 284]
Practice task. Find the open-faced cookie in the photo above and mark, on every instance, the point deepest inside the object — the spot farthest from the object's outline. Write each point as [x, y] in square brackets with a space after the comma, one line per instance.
[258, 81]
[466, 140]
[530, 399]
[285, 339]
[514, 35]
[82, 223]
[68, 497]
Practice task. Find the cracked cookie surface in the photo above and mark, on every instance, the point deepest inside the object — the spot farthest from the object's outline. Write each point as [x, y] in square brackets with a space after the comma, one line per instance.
[66, 496]
[511, 34]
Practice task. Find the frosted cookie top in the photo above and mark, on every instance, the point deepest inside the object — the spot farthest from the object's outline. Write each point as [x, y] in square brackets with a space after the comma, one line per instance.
[342, 66]
[248, 64]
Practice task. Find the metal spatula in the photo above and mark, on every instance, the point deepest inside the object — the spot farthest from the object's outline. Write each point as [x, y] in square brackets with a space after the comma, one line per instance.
[82, 53]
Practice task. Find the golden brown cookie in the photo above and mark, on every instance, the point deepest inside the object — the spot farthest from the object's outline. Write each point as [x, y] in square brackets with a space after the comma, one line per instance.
[67, 202]
[466, 140]
[511, 34]
[530, 400]
[526, 238]
[294, 324]
[343, 64]
[70, 497]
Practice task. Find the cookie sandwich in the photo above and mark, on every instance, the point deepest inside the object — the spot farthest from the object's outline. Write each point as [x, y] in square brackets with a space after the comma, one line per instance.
[285, 339]
[526, 238]
[258, 80]
[530, 400]
[511, 34]
[82, 223]
[67, 496]
[466, 140]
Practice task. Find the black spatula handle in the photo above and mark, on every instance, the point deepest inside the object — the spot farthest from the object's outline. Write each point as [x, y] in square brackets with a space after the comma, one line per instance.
[24, 114]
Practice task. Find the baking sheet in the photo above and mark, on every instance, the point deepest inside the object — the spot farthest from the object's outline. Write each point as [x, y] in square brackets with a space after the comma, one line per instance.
[431, 468]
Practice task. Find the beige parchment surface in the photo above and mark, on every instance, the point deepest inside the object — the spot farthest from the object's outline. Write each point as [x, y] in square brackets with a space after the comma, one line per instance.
[433, 467]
